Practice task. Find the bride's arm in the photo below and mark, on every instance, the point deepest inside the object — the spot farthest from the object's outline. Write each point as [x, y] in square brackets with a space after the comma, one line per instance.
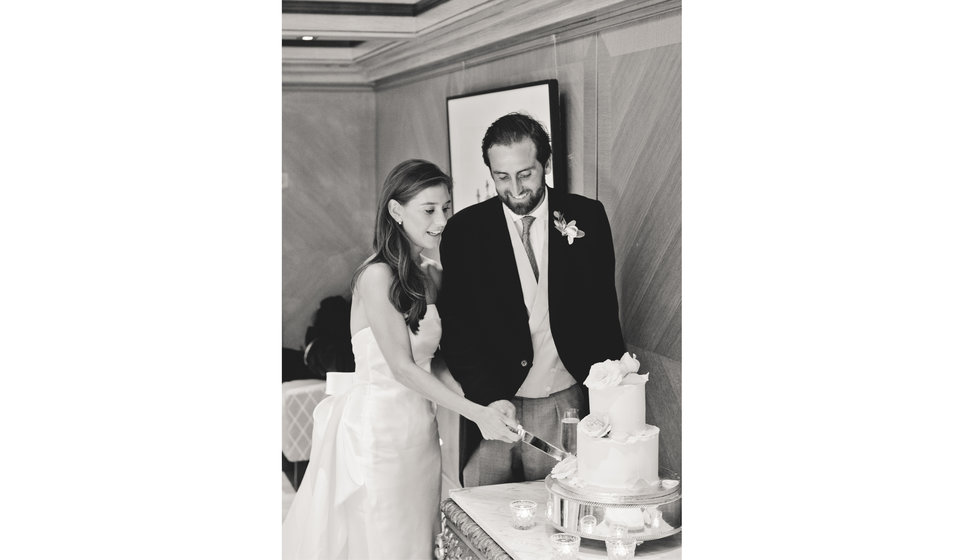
[389, 329]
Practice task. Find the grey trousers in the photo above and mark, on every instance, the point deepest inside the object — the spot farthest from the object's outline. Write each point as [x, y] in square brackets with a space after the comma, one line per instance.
[497, 462]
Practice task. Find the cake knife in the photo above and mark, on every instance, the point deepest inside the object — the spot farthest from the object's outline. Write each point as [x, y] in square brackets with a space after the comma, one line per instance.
[542, 445]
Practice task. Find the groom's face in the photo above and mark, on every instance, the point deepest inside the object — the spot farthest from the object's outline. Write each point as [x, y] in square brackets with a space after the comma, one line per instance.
[518, 175]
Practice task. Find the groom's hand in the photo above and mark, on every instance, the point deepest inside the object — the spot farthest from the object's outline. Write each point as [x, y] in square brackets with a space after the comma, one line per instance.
[495, 424]
[506, 408]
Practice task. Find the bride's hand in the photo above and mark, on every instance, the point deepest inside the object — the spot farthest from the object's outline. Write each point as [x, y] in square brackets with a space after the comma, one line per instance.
[496, 425]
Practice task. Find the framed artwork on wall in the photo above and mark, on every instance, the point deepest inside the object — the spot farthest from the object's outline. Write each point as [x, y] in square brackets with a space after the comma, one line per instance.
[469, 117]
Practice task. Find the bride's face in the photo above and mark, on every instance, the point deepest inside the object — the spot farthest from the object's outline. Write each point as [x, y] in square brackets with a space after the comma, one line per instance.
[424, 217]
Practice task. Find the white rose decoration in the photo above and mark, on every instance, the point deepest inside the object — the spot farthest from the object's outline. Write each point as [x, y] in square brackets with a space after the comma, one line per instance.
[565, 468]
[629, 363]
[604, 374]
[595, 425]
[635, 379]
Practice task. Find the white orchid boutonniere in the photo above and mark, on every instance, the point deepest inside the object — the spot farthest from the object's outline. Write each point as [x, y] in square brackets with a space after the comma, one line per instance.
[568, 229]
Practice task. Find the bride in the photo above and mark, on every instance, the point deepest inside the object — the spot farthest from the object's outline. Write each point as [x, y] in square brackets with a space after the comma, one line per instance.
[371, 489]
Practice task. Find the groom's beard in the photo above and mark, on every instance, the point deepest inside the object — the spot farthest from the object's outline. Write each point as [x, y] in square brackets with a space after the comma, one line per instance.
[524, 207]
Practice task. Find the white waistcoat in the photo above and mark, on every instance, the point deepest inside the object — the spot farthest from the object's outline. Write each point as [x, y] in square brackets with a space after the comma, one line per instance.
[547, 374]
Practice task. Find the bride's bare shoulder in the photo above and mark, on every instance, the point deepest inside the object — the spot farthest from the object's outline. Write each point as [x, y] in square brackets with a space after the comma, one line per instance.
[375, 277]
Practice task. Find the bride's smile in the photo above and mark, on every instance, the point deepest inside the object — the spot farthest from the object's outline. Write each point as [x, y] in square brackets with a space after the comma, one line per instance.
[424, 216]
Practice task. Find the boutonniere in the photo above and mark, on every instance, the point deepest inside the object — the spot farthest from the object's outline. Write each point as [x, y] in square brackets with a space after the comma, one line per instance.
[567, 229]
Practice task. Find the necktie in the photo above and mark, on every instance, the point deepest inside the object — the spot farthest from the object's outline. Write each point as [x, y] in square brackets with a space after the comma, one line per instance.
[526, 239]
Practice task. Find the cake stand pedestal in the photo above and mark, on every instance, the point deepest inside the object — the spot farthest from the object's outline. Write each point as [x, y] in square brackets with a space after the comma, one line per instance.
[594, 513]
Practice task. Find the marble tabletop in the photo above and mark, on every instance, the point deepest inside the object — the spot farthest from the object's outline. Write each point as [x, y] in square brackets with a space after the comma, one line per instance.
[489, 506]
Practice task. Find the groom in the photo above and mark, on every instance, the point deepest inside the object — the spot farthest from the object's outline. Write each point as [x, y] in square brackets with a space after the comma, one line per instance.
[528, 301]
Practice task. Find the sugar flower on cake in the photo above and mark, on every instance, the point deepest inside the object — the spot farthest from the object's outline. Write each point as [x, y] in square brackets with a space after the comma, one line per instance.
[611, 373]
[628, 363]
[567, 467]
[596, 425]
[604, 375]
[635, 379]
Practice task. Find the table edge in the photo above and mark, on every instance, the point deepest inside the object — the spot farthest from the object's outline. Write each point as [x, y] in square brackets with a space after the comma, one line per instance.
[472, 531]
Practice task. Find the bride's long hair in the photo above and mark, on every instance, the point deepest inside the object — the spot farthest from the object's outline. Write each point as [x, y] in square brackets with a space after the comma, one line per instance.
[391, 244]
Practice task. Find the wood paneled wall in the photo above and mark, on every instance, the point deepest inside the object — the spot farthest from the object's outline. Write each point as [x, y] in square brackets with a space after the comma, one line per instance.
[620, 94]
[328, 162]
[639, 107]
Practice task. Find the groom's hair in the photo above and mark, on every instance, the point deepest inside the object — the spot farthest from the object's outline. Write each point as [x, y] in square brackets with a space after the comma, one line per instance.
[515, 127]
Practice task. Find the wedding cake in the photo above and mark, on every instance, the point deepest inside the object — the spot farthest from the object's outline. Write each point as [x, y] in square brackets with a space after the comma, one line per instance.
[612, 488]
[617, 449]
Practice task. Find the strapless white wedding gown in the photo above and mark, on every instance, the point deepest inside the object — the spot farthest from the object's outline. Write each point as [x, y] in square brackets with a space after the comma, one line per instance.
[371, 490]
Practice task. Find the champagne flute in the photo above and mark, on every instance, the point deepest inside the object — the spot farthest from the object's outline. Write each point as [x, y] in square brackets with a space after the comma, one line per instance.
[569, 430]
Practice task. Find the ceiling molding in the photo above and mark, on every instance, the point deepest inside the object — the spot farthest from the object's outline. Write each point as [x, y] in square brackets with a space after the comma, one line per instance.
[300, 55]
[403, 49]
[347, 27]
[352, 27]
[449, 14]
[320, 77]
[527, 44]
[480, 39]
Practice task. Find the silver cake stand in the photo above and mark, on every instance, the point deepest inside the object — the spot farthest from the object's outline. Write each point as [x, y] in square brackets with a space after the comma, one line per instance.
[595, 513]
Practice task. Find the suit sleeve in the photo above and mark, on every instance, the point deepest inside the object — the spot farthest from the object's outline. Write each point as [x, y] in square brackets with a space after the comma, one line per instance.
[607, 304]
[466, 347]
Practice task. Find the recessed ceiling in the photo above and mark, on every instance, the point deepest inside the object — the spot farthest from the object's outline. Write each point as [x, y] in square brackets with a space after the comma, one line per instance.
[362, 44]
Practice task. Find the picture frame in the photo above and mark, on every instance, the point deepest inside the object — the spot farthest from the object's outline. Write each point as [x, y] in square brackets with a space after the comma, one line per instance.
[469, 117]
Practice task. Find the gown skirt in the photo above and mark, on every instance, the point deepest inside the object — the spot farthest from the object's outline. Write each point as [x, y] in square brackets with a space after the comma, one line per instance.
[371, 490]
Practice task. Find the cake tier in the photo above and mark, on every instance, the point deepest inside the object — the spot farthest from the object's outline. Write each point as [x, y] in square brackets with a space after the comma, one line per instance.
[625, 405]
[619, 463]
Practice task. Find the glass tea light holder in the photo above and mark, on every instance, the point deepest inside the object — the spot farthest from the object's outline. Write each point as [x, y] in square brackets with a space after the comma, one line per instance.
[565, 546]
[588, 524]
[522, 513]
[620, 548]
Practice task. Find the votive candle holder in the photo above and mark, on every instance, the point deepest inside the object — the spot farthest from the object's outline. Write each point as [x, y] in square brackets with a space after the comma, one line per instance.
[565, 546]
[620, 549]
[522, 513]
[588, 524]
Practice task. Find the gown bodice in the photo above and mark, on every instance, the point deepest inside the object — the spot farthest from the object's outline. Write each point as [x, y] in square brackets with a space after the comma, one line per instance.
[392, 412]
[367, 354]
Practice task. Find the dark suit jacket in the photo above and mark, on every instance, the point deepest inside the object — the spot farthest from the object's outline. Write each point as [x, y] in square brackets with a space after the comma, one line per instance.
[486, 340]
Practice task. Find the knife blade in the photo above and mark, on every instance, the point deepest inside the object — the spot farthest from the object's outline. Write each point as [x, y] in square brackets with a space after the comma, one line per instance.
[541, 445]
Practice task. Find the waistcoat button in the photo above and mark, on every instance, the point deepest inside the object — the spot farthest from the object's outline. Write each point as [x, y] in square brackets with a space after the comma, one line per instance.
[523, 363]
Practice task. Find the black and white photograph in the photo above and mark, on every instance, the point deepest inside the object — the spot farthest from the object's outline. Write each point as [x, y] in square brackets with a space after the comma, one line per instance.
[482, 281]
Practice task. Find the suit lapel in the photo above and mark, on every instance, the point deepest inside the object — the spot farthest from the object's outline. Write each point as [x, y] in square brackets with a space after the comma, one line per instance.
[557, 248]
